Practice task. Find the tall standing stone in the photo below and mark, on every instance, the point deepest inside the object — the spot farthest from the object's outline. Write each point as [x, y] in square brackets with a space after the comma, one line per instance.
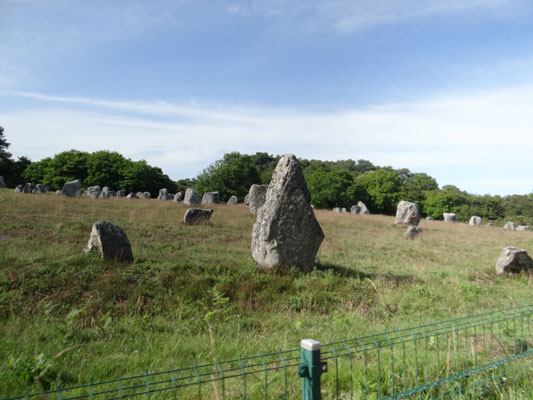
[233, 200]
[475, 221]
[39, 189]
[72, 188]
[28, 188]
[407, 214]
[111, 241]
[450, 217]
[178, 197]
[256, 197]
[210, 198]
[363, 209]
[164, 195]
[19, 188]
[94, 192]
[192, 198]
[286, 232]
[355, 209]
[2, 182]
[510, 225]
[247, 199]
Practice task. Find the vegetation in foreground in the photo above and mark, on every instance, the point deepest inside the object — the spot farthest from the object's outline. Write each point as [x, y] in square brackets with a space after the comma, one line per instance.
[194, 292]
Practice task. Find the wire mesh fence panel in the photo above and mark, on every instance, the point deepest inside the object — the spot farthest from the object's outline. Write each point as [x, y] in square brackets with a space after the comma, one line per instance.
[484, 356]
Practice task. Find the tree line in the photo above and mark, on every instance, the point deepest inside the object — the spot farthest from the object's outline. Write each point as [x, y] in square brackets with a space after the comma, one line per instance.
[331, 183]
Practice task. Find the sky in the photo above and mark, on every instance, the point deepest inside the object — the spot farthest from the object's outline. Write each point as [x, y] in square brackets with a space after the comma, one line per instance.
[443, 87]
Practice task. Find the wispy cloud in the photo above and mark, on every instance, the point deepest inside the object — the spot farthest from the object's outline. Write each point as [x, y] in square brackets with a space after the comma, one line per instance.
[487, 135]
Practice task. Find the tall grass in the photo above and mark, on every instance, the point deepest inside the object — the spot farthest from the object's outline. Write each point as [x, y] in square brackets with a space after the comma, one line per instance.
[193, 292]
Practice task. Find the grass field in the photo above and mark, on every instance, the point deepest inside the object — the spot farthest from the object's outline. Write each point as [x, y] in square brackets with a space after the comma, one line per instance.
[193, 292]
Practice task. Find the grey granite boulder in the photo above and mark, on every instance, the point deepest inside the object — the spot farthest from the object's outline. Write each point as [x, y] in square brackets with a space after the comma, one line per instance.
[233, 200]
[355, 209]
[111, 241]
[2, 182]
[28, 188]
[513, 260]
[510, 225]
[363, 209]
[247, 199]
[139, 195]
[191, 198]
[450, 217]
[523, 228]
[286, 232]
[164, 195]
[58, 192]
[72, 188]
[19, 188]
[475, 221]
[94, 192]
[147, 195]
[39, 189]
[210, 198]
[343, 209]
[336, 210]
[178, 197]
[197, 216]
[132, 196]
[256, 197]
[412, 231]
[407, 214]
[121, 193]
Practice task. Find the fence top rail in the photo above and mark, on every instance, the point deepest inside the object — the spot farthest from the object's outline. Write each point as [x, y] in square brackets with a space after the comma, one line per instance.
[199, 374]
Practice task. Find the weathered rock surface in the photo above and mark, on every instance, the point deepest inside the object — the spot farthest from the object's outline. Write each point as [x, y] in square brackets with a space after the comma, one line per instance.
[475, 221]
[164, 195]
[197, 216]
[407, 214]
[111, 241]
[139, 195]
[28, 188]
[2, 182]
[58, 192]
[132, 196]
[147, 195]
[72, 188]
[343, 209]
[363, 209]
[39, 189]
[107, 193]
[523, 228]
[450, 217]
[94, 191]
[191, 198]
[355, 209]
[336, 209]
[513, 260]
[19, 188]
[247, 199]
[412, 231]
[233, 200]
[210, 198]
[510, 225]
[256, 197]
[286, 232]
[121, 193]
[178, 197]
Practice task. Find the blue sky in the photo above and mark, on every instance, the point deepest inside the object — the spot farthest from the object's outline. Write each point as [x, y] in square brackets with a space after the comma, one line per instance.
[442, 87]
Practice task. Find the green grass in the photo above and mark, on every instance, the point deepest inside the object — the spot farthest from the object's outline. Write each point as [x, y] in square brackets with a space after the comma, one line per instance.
[193, 292]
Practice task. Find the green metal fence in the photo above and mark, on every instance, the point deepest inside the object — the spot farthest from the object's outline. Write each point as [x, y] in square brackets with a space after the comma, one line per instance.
[488, 355]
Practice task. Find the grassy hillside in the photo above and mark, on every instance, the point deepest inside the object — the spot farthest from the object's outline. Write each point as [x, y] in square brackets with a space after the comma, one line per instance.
[194, 292]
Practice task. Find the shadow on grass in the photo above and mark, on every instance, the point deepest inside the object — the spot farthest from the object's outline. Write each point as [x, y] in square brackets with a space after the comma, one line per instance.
[351, 273]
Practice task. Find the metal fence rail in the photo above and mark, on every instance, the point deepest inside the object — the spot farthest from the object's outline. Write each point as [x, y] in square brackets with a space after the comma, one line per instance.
[488, 355]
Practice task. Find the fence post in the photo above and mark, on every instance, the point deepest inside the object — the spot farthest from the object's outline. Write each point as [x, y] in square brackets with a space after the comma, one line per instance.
[310, 369]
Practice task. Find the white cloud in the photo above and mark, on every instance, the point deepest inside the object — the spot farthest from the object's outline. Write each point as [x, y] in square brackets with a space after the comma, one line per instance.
[487, 135]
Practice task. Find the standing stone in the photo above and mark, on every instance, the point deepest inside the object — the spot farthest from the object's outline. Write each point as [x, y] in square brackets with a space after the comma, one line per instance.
[139, 195]
[19, 188]
[355, 209]
[450, 217]
[256, 197]
[2, 182]
[475, 221]
[121, 193]
[412, 231]
[363, 209]
[210, 198]
[197, 216]
[58, 192]
[191, 198]
[286, 232]
[233, 200]
[430, 219]
[513, 260]
[407, 214]
[510, 225]
[72, 188]
[111, 241]
[336, 209]
[107, 193]
[39, 189]
[247, 199]
[28, 188]
[343, 210]
[147, 195]
[523, 228]
[164, 195]
[132, 196]
[178, 197]
[94, 191]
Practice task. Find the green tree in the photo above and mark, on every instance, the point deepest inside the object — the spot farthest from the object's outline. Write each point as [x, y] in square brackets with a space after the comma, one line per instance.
[37, 171]
[4, 145]
[380, 190]
[10, 169]
[448, 200]
[105, 168]
[415, 187]
[138, 176]
[183, 184]
[330, 188]
[231, 175]
[66, 166]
